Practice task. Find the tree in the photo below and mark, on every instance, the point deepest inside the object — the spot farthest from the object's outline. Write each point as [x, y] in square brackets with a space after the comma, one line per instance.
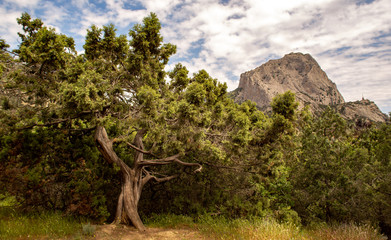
[134, 179]
[285, 104]
[118, 89]
[375, 180]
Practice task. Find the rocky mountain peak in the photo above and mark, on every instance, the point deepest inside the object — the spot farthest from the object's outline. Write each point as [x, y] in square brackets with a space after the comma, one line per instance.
[297, 72]
[301, 74]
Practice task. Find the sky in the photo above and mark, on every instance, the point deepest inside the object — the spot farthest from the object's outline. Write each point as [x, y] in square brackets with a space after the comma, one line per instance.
[350, 39]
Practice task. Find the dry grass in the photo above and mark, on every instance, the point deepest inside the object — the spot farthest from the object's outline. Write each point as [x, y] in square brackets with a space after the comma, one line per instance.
[222, 228]
[14, 225]
[344, 232]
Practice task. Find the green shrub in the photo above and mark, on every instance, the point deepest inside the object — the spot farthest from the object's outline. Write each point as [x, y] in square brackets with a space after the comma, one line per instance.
[89, 229]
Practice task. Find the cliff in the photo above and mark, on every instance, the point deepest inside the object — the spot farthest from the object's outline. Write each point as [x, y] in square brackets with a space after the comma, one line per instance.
[301, 74]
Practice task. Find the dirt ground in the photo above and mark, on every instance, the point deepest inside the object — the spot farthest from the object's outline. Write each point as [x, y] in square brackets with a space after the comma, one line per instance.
[121, 232]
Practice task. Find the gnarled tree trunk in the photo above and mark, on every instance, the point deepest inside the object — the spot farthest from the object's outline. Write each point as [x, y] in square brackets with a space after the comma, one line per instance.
[133, 179]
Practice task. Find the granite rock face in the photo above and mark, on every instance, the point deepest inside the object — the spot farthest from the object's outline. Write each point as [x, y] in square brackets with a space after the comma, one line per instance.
[361, 110]
[301, 74]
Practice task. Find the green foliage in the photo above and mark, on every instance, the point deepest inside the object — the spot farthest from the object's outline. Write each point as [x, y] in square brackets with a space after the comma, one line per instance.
[41, 45]
[110, 48]
[47, 169]
[285, 105]
[291, 167]
[148, 55]
[30, 27]
[374, 180]
[326, 158]
[53, 99]
[7, 200]
[3, 45]
[338, 176]
[148, 98]
[179, 78]
[87, 93]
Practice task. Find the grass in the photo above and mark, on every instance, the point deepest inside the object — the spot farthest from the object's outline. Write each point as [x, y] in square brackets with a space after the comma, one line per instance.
[53, 225]
[344, 231]
[14, 225]
[46, 225]
[222, 228]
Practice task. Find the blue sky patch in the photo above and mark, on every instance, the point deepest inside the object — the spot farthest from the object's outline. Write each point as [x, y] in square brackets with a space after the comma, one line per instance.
[351, 40]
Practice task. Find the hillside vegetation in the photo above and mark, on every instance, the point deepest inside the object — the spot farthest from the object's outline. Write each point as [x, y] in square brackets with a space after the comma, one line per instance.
[109, 135]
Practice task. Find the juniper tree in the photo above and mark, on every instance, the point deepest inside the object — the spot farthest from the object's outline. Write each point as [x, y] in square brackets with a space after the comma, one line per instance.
[117, 92]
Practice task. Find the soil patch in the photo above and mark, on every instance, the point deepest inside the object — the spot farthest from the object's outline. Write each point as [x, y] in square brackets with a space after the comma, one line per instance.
[111, 232]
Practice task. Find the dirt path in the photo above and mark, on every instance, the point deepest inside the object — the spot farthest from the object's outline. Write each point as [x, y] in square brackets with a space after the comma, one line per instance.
[111, 232]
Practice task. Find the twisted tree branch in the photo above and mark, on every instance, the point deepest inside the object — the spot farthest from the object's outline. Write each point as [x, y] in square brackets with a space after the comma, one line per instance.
[141, 150]
[169, 160]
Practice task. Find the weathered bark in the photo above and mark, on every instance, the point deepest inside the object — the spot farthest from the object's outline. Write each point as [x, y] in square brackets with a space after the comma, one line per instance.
[118, 214]
[133, 179]
[130, 194]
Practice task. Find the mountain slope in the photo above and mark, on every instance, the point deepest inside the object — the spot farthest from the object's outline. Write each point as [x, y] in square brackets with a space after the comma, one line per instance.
[301, 74]
[363, 109]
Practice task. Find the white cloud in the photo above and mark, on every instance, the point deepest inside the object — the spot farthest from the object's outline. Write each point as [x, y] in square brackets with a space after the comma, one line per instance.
[9, 28]
[80, 4]
[11, 10]
[23, 3]
[238, 37]
[162, 7]
[54, 16]
[229, 39]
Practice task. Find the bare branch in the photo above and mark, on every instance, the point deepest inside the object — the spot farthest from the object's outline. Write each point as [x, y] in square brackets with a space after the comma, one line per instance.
[169, 160]
[149, 176]
[190, 164]
[138, 142]
[153, 145]
[141, 150]
[165, 178]
[160, 161]
[171, 120]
